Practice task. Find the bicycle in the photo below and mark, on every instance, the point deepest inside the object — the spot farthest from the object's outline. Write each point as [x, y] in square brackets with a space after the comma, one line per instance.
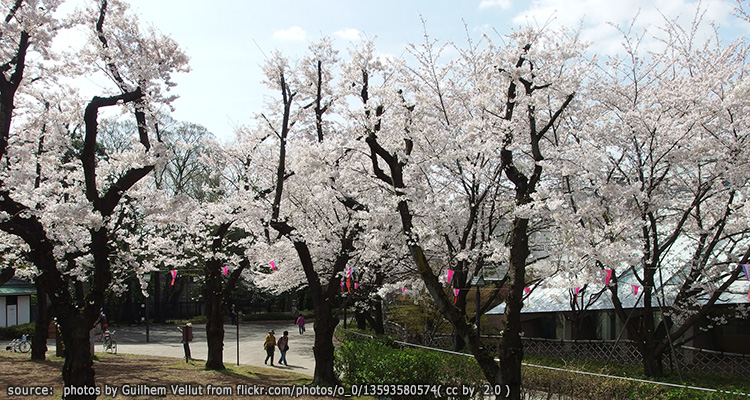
[108, 342]
[21, 345]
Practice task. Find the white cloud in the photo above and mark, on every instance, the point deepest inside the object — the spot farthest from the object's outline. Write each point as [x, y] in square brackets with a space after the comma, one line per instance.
[348, 34]
[293, 33]
[504, 4]
[596, 17]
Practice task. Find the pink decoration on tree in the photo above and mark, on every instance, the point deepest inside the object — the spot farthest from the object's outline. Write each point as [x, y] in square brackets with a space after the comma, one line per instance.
[273, 265]
[607, 276]
[450, 275]
[174, 276]
[635, 289]
[226, 271]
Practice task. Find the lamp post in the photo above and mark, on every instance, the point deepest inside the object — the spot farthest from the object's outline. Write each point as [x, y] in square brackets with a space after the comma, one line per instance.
[478, 281]
[147, 279]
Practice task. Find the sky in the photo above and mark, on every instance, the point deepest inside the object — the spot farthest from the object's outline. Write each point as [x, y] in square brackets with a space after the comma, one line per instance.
[228, 40]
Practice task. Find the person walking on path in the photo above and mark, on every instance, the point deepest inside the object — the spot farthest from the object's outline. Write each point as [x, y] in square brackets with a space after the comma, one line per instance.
[187, 337]
[102, 321]
[269, 345]
[233, 314]
[283, 344]
[301, 324]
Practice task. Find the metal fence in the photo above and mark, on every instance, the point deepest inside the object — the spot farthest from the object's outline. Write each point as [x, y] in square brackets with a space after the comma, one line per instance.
[694, 359]
[685, 358]
[624, 352]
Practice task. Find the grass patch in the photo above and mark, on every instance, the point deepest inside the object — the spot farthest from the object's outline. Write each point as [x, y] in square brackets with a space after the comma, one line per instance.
[116, 371]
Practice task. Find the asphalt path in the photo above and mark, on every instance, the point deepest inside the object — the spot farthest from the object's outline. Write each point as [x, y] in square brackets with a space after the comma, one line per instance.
[164, 341]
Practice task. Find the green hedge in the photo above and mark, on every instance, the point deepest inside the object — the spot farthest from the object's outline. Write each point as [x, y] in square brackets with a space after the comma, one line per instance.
[364, 361]
[16, 331]
[370, 362]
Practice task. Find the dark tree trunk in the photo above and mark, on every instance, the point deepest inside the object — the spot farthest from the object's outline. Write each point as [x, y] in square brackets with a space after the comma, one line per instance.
[41, 327]
[653, 361]
[375, 317]
[361, 320]
[216, 292]
[511, 346]
[325, 325]
[378, 326]
[215, 336]
[78, 368]
[459, 282]
[458, 341]
[215, 305]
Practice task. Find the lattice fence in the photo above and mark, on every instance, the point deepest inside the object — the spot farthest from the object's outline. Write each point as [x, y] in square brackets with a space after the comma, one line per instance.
[625, 352]
[694, 359]
[687, 358]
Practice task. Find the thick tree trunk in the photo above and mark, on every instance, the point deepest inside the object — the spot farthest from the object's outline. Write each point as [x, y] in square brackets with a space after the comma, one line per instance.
[41, 328]
[511, 346]
[78, 368]
[458, 341]
[325, 325]
[215, 339]
[215, 324]
[376, 319]
[361, 320]
[653, 365]
[459, 282]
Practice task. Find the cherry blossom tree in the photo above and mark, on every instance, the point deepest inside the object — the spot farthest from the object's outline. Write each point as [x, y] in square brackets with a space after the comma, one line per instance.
[517, 96]
[310, 196]
[201, 216]
[654, 183]
[70, 214]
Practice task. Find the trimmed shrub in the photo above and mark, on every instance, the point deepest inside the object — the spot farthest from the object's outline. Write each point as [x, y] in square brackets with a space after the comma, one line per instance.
[16, 331]
[377, 362]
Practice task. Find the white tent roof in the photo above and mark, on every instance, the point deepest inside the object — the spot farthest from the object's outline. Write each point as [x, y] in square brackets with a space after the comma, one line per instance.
[559, 299]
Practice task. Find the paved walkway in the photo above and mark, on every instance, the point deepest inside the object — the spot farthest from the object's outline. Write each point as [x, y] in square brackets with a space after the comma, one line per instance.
[164, 341]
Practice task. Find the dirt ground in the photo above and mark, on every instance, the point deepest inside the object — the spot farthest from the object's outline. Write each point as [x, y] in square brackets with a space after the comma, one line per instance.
[144, 377]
